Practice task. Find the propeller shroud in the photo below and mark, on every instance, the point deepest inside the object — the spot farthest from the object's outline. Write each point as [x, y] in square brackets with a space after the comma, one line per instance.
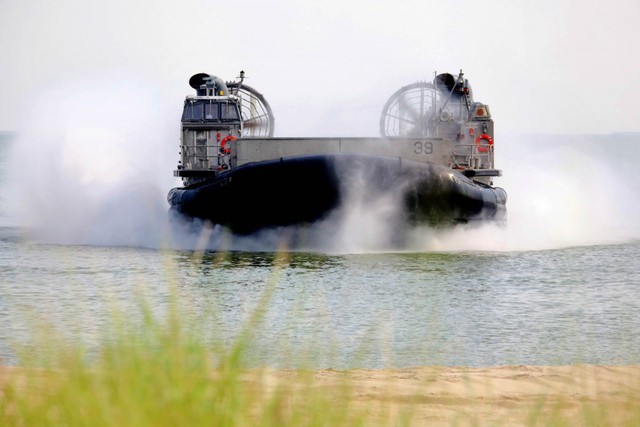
[411, 111]
[257, 117]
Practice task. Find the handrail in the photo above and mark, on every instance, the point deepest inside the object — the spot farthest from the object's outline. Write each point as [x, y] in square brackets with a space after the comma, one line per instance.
[201, 157]
[475, 159]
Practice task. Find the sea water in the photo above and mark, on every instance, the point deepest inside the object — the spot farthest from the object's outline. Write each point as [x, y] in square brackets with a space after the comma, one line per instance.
[558, 284]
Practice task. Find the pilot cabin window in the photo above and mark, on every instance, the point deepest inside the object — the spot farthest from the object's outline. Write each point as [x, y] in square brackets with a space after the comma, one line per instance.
[211, 112]
[192, 112]
[229, 112]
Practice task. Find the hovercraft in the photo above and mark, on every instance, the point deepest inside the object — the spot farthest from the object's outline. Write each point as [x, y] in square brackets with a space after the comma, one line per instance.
[435, 155]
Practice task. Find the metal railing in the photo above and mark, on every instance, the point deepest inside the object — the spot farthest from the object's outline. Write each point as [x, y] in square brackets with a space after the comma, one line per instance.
[204, 157]
[473, 156]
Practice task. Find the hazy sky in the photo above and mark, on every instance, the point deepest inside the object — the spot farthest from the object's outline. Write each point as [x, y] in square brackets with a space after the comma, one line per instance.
[327, 67]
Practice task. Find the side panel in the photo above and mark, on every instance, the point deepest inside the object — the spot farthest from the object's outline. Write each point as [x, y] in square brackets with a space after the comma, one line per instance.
[420, 150]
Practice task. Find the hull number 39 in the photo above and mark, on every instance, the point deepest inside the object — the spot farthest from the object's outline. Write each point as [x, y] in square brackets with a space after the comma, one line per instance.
[420, 147]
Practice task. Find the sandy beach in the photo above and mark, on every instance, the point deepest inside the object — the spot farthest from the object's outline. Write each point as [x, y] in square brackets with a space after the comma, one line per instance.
[513, 395]
[444, 396]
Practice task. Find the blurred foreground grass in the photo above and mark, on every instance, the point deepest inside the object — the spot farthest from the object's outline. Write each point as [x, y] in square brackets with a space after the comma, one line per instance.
[158, 372]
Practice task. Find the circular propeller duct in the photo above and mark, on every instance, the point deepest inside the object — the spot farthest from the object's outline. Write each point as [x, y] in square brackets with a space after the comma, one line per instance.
[411, 111]
[257, 117]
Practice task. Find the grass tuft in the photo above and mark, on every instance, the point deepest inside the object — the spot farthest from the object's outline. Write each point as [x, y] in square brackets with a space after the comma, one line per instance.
[157, 372]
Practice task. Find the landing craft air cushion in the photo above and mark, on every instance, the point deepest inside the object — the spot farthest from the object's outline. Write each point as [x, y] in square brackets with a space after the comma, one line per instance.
[435, 157]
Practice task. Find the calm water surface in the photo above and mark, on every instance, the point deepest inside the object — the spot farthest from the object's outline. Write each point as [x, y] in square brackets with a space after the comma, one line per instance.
[573, 305]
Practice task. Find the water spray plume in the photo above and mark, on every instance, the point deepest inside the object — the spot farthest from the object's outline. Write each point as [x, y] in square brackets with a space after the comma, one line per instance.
[94, 164]
[564, 191]
[87, 168]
